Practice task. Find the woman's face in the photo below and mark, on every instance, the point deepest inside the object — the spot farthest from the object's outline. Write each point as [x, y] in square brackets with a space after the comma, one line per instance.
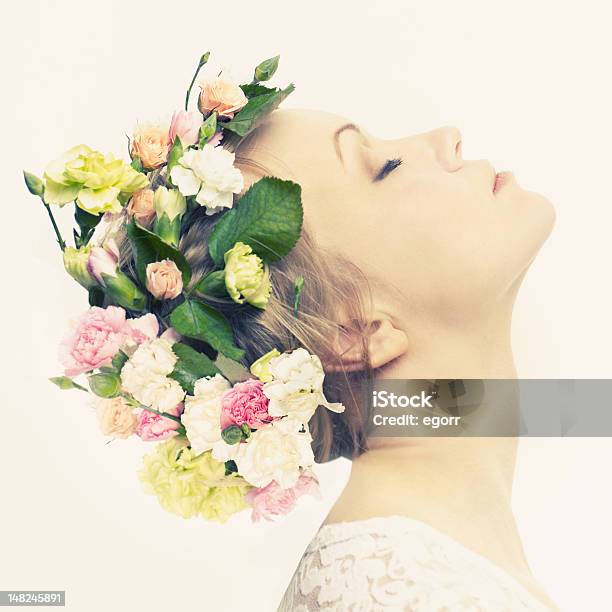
[410, 211]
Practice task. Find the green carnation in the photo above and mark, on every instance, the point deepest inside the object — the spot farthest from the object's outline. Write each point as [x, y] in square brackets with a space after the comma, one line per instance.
[190, 485]
[99, 183]
[246, 278]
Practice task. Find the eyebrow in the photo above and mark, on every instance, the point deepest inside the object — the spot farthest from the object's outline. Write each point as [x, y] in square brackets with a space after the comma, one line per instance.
[336, 137]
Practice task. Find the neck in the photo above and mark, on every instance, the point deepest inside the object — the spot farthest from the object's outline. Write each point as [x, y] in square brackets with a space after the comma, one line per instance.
[478, 350]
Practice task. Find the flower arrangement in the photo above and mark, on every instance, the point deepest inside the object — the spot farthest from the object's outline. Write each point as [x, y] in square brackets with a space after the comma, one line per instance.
[227, 437]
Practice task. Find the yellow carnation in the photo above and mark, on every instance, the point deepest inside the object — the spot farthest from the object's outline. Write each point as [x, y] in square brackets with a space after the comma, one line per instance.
[191, 485]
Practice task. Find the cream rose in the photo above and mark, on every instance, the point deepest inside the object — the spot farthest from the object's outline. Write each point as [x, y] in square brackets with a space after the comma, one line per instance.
[164, 280]
[222, 96]
[151, 144]
[141, 207]
[116, 417]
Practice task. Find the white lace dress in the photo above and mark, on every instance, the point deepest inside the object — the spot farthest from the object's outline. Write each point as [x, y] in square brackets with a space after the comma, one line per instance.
[399, 564]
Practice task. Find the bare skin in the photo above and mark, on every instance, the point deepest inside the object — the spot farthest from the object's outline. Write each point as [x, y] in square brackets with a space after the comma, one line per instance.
[446, 257]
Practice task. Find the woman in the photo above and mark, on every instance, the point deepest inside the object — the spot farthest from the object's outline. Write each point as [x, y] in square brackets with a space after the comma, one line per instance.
[412, 258]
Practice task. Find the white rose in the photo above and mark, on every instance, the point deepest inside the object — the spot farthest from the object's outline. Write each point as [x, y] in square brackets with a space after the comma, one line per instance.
[275, 452]
[202, 418]
[209, 173]
[296, 389]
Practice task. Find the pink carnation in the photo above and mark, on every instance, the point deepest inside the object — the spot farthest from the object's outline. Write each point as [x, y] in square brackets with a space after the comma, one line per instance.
[152, 427]
[96, 339]
[245, 403]
[272, 500]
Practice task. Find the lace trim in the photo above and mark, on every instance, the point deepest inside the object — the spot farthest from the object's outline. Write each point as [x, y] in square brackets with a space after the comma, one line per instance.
[334, 533]
[399, 563]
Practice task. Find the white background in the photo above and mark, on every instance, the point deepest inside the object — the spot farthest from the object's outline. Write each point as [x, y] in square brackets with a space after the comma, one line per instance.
[528, 85]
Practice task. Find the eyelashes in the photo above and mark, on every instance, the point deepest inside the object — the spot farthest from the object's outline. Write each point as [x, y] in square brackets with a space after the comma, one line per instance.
[388, 167]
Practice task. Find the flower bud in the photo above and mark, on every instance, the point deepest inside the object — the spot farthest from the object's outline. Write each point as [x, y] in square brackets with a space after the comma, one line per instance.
[246, 278]
[232, 434]
[164, 280]
[105, 384]
[169, 202]
[103, 260]
[265, 71]
[33, 183]
[75, 262]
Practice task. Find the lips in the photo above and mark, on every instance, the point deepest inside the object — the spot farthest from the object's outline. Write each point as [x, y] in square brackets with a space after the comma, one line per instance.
[500, 179]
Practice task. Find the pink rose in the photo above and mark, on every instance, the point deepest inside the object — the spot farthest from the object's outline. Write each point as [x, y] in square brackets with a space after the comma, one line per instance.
[222, 96]
[152, 427]
[97, 337]
[185, 125]
[272, 500]
[151, 144]
[246, 403]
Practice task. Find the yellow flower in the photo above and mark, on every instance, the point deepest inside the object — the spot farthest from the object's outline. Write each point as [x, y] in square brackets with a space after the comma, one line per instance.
[246, 278]
[98, 182]
[190, 485]
[75, 262]
[261, 367]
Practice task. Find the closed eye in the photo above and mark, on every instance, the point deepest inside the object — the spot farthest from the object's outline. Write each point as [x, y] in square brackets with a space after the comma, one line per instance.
[388, 167]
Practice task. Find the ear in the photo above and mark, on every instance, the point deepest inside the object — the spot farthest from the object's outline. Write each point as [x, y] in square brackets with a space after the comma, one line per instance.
[385, 342]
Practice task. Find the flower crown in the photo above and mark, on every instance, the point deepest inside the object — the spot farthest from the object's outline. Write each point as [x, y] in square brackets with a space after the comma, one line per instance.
[228, 438]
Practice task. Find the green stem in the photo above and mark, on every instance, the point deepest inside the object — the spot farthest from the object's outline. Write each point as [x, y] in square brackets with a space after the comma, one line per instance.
[60, 240]
[195, 75]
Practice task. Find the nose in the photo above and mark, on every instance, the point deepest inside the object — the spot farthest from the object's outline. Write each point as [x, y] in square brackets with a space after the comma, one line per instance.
[446, 142]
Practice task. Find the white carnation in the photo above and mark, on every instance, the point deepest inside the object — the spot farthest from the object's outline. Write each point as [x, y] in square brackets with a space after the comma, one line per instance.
[202, 418]
[275, 452]
[210, 173]
[144, 376]
[296, 389]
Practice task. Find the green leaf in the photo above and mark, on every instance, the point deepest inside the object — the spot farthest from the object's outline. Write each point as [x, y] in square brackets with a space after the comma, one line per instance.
[265, 71]
[297, 287]
[268, 217]
[207, 129]
[105, 384]
[232, 370]
[213, 284]
[201, 322]
[230, 467]
[256, 109]
[96, 297]
[176, 152]
[63, 382]
[255, 89]
[191, 366]
[148, 247]
[137, 164]
[87, 224]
